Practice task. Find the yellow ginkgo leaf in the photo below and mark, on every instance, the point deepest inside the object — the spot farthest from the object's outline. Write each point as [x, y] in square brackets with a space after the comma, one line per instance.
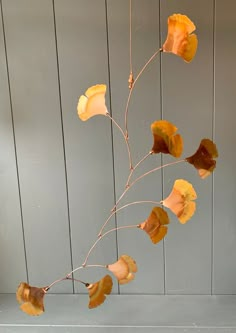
[180, 40]
[203, 159]
[155, 225]
[98, 291]
[123, 269]
[180, 200]
[31, 298]
[92, 103]
[165, 139]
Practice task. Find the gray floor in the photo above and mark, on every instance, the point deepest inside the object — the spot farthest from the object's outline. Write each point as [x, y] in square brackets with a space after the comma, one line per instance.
[126, 313]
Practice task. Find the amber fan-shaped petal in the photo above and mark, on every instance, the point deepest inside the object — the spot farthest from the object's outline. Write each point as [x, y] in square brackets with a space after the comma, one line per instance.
[31, 299]
[179, 39]
[98, 290]
[203, 159]
[92, 103]
[180, 200]
[154, 226]
[165, 139]
[123, 269]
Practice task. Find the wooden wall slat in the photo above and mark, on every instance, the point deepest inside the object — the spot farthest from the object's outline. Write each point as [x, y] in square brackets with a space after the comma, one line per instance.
[83, 62]
[188, 103]
[35, 99]
[144, 109]
[12, 257]
[225, 185]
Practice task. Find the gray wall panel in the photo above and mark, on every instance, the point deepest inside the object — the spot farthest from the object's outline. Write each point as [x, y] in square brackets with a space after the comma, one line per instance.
[144, 109]
[34, 86]
[83, 62]
[225, 184]
[188, 103]
[12, 258]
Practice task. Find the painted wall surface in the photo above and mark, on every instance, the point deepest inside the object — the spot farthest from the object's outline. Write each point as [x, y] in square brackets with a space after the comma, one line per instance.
[60, 177]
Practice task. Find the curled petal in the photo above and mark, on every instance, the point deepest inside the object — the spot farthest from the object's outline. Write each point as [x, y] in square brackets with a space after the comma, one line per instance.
[180, 200]
[179, 39]
[123, 269]
[203, 159]
[92, 103]
[98, 290]
[31, 299]
[154, 226]
[165, 139]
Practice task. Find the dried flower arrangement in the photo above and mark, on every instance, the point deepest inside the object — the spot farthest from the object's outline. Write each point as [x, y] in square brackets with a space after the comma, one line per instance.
[181, 201]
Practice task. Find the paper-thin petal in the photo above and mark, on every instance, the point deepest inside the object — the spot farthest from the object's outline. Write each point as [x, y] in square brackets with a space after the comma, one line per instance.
[98, 290]
[97, 89]
[176, 145]
[81, 108]
[157, 237]
[165, 139]
[130, 262]
[203, 158]
[31, 310]
[22, 293]
[186, 189]
[188, 212]
[154, 226]
[180, 200]
[93, 103]
[31, 298]
[191, 48]
[204, 173]
[179, 41]
[123, 269]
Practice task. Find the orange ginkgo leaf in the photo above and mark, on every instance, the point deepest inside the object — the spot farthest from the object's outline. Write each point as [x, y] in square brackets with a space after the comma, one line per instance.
[155, 224]
[165, 139]
[123, 269]
[31, 299]
[180, 40]
[93, 102]
[98, 290]
[180, 201]
[203, 159]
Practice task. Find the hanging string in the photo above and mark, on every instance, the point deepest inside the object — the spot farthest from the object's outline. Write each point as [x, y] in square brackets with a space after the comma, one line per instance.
[131, 79]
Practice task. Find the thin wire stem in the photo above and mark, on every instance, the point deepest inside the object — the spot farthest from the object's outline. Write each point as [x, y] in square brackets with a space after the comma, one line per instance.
[135, 167]
[68, 276]
[114, 207]
[106, 233]
[139, 202]
[55, 282]
[117, 125]
[84, 266]
[77, 280]
[95, 265]
[127, 205]
[63, 279]
[129, 151]
[125, 138]
[131, 90]
[155, 169]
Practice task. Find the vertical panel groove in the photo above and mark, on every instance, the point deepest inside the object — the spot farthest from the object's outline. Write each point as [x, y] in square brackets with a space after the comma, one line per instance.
[213, 138]
[112, 138]
[63, 138]
[14, 141]
[162, 170]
